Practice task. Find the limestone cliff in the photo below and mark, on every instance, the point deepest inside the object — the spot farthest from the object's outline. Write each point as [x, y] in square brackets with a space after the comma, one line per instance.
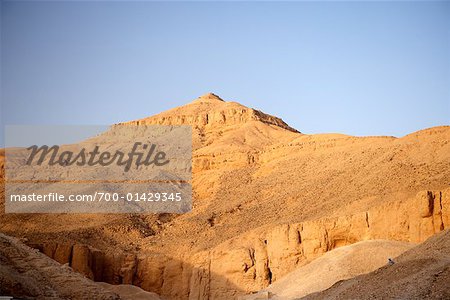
[253, 260]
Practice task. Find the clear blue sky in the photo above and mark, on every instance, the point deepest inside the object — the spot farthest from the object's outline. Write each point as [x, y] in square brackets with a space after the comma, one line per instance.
[361, 68]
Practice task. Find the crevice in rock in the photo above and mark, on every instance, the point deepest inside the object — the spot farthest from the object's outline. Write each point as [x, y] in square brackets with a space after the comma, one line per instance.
[252, 256]
[367, 219]
[269, 275]
[70, 256]
[430, 202]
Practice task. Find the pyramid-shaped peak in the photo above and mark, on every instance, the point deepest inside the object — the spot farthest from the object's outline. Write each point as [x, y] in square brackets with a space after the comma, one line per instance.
[211, 110]
[209, 97]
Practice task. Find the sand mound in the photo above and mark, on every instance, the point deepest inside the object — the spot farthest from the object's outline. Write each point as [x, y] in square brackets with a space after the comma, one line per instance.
[420, 273]
[130, 292]
[338, 264]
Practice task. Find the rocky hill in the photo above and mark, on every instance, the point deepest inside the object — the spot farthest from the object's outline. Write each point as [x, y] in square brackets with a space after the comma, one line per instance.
[267, 200]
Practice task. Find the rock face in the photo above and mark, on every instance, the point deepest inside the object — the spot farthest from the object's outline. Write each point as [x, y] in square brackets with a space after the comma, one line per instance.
[420, 273]
[113, 267]
[252, 261]
[209, 111]
[26, 273]
[335, 265]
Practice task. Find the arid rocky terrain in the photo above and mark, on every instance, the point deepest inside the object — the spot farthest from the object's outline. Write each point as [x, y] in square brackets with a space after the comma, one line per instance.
[338, 264]
[267, 201]
[420, 273]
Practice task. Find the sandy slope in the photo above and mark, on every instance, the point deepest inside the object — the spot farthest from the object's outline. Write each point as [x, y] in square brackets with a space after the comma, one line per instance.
[338, 264]
[420, 273]
[130, 292]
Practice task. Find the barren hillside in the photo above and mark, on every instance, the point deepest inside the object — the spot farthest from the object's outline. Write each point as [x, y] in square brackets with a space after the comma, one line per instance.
[267, 199]
[420, 273]
[336, 265]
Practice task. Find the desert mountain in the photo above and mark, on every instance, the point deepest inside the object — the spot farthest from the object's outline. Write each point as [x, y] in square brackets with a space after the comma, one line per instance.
[221, 125]
[267, 200]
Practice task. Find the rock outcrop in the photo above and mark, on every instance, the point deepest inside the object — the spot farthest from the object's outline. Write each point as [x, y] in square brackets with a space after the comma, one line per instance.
[335, 265]
[422, 272]
[252, 261]
[27, 274]
[209, 111]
